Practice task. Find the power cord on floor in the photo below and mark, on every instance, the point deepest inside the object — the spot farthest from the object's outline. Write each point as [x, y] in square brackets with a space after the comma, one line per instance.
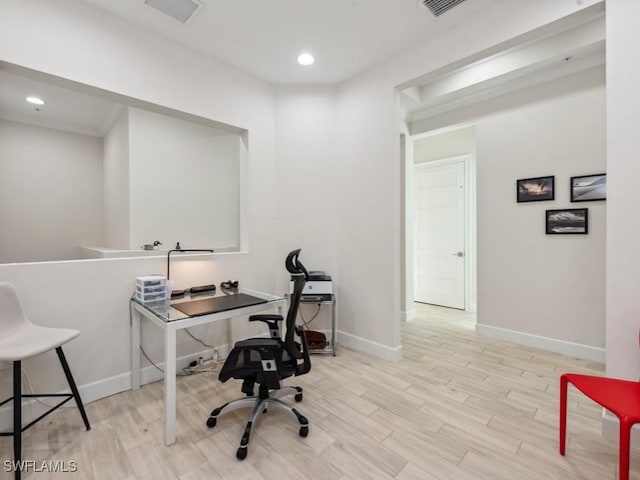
[209, 367]
[190, 370]
[216, 353]
[193, 368]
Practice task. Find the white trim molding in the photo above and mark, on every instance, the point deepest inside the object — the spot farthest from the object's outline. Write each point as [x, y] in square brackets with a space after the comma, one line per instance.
[392, 354]
[611, 429]
[408, 315]
[577, 350]
[32, 408]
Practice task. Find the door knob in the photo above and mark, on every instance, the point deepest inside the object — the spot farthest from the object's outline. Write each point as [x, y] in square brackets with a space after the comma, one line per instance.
[458, 254]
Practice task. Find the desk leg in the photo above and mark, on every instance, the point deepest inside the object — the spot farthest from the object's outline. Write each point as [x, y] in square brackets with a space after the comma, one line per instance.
[135, 348]
[170, 385]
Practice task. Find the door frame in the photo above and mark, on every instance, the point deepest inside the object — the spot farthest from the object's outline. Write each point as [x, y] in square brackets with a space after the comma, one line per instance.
[470, 290]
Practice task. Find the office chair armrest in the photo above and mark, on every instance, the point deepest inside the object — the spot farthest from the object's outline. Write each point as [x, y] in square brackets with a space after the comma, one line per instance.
[271, 320]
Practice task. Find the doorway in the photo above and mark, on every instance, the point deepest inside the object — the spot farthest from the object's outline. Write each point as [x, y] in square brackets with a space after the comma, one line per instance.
[438, 231]
[441, 221]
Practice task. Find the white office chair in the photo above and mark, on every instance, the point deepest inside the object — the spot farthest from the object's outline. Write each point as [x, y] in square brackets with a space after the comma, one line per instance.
[21, 339]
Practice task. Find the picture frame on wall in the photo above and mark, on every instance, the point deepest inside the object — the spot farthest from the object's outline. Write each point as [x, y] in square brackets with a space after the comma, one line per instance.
[587, 188]
[567, 221]
[536, 189]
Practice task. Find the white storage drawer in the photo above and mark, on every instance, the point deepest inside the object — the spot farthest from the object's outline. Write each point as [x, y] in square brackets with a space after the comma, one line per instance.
[151, 288]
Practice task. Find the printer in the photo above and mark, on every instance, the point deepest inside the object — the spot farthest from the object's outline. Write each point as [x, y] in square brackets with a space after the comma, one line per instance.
[319, 287]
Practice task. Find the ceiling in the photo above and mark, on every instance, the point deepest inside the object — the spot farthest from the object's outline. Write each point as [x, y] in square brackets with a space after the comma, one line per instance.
[264, 38]
[575, 46]
[64, 109]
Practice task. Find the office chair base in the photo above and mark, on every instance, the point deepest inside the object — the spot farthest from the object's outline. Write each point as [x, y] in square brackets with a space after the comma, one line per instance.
[260, 406]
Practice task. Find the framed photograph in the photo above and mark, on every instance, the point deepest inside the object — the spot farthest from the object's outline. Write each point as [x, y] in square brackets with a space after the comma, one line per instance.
[535, 189]
[568, 221]
[589, 187]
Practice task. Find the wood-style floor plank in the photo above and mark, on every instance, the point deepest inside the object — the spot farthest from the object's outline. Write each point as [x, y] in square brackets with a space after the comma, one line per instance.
[457, 407]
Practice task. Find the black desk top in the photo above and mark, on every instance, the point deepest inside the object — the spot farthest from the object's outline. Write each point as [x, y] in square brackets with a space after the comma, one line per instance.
[205, 306]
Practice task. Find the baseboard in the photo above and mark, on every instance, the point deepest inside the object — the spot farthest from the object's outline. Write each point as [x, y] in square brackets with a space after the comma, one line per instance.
[393, 354]
[32, 409]
[576, 350]
[90, 392]
[408, 315]
[611, 430]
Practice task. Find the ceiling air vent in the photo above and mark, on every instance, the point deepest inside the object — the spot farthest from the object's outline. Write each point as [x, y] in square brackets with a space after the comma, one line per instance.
[438, 7]
[180, 10]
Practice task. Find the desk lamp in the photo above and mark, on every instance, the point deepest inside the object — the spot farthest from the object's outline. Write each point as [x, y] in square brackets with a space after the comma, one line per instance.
[179, 293]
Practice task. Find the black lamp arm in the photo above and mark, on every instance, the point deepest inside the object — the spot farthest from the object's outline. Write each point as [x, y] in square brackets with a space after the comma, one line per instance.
[186, 250]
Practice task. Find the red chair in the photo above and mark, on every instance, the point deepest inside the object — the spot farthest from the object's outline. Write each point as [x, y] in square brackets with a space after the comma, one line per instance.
[621, 397]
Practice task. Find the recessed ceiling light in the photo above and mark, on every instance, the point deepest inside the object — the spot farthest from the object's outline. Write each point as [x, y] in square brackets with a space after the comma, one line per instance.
[35, 100]
[306, 59]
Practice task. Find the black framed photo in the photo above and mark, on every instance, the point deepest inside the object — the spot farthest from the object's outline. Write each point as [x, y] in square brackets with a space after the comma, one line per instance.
[587, 188]
[568, 221]
[536, 189]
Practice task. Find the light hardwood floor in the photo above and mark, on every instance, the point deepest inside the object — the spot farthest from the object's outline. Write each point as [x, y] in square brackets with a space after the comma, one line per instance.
[458, 406]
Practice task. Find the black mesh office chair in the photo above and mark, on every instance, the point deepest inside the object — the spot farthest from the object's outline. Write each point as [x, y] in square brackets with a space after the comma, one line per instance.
[267, 361]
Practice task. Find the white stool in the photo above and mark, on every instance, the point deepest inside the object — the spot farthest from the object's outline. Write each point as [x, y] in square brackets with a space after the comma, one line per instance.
[20, 339]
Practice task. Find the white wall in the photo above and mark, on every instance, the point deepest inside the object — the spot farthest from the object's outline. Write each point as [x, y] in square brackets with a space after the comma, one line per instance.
[368, 231]
[560, 304]
[50, 192]
[307, 173]
[546, 285]
[116, 183]
[623, 225]
[623, 168]
[171, 163]
[75, 41]
[368, 153]
[452, 143]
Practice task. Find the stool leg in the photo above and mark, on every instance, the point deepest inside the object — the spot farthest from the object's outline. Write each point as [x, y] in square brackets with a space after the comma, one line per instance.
[72, 385]
[17, 418]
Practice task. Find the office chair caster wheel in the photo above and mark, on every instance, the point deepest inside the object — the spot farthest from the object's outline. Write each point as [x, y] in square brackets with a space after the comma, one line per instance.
[241, 454]
[304, 431]
[298, 397]
[211, 422]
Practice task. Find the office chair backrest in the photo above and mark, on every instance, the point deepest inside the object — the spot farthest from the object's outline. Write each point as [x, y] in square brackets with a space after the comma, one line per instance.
[300, 275]
[11, 315]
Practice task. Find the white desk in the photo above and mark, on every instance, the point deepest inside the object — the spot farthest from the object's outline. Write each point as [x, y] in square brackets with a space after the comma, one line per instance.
[171, 320]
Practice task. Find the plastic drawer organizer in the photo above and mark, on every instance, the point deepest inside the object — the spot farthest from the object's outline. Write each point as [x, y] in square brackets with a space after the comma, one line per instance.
[151, 289]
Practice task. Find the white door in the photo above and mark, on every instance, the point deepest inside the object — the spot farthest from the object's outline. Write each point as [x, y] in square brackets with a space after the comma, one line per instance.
[439, 222]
